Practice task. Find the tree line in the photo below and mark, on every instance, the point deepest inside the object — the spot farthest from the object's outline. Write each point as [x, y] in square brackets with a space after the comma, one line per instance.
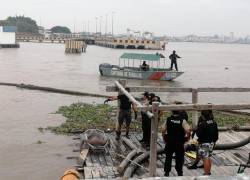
[28, 25]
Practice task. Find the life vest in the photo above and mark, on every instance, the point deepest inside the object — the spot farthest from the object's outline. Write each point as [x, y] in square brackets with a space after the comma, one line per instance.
[175, 131]
[207, 131]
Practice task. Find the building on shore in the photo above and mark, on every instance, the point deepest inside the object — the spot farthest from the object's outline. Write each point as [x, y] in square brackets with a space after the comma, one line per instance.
[8, 37]
[129, 43]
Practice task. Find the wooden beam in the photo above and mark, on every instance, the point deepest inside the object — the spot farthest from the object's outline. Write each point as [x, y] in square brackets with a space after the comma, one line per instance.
[194, 113]
[149, 89]
[131, 98]
[126, 161]
[198, 107]
[170, 89]
[224, 89]
[153, 140]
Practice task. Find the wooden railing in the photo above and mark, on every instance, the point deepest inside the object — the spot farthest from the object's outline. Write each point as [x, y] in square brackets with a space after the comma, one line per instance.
[156, 107]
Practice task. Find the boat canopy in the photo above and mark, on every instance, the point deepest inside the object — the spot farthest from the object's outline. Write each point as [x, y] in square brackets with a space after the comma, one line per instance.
[136, 56]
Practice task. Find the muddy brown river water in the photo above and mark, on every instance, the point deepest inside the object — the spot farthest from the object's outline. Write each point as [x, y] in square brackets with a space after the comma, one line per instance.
[26, 153]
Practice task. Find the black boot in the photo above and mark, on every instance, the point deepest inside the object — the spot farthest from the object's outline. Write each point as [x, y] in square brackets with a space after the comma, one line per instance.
[127, 136]
[194, 166]
[118, 134]
[142, 140]
[180, 173]
[166, 174]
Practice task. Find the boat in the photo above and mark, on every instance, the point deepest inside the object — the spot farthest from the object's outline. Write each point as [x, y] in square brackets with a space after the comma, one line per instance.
[140, 66]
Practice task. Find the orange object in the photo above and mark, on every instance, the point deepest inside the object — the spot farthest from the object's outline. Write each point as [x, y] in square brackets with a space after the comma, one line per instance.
[71, 174]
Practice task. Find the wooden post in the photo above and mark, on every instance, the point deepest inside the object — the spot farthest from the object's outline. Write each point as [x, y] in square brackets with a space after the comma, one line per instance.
[194, 113]
[153, 140]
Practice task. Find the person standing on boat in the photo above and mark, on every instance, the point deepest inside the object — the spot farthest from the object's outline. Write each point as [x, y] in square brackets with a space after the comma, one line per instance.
[175, 132]
[124, 112]
[173, 57]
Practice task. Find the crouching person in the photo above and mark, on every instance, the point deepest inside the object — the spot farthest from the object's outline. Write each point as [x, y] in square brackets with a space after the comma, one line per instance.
[175, 132]
[207, 133]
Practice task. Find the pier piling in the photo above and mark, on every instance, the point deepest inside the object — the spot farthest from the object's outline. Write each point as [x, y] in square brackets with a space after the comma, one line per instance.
[74, 46]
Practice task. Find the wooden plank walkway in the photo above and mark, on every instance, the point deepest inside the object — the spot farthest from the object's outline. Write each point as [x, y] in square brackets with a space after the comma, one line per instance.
[103, 165]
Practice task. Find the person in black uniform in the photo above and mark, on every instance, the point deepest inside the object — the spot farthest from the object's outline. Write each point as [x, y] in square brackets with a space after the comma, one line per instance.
[183, 113]
[207, 133]
[173, 57]
[145, 120]
[124, 113]
[175, 132]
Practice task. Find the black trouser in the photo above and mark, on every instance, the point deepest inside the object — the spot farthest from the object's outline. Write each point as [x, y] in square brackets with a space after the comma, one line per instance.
[174, 62]
[178, 149]
[146, 127]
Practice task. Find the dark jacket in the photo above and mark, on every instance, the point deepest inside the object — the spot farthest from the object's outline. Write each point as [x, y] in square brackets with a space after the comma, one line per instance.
[175, 131]
[207, 130]
[173, 57]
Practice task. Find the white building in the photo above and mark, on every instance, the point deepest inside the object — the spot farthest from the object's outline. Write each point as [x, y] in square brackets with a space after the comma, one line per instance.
[7, 36]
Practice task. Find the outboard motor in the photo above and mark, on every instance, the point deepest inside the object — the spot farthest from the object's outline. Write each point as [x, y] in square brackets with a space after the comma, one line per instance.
[104, 65]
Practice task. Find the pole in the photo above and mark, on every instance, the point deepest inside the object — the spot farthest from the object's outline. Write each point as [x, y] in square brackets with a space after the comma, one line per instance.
[153, 140]
[106, 25]
[100, 24]
[113, 24]
[194, 113]
[88, 27]
[106, 29]
[96, 25]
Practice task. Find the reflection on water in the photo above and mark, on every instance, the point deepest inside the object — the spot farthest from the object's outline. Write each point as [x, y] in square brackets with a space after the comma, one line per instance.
[22, 111]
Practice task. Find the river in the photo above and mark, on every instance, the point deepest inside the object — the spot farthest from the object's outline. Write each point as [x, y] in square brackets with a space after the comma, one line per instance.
[26, 153]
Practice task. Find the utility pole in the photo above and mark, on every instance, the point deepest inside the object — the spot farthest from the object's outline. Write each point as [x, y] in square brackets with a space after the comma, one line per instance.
[106, 25]
[100, 24]
[113, 23]
[96, 24]
[82, 27]
[88, 27]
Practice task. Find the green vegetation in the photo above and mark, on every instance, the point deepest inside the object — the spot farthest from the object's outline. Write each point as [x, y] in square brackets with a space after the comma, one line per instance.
[24, 24]
[82, 116]
[60, 29]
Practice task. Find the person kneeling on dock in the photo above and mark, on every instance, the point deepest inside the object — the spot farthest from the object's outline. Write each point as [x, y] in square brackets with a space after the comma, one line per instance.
[124, 112]
[207, 133]
[175, 132]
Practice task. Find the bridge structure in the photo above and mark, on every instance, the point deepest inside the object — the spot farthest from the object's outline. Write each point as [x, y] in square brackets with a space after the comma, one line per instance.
[97, 39]
[54, 38]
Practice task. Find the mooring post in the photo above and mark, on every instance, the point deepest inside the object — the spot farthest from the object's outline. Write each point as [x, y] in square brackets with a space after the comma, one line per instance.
[153, 140]
[194, 113]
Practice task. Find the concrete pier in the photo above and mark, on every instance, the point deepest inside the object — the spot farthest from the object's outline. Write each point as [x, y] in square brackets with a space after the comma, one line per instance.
[74, 46]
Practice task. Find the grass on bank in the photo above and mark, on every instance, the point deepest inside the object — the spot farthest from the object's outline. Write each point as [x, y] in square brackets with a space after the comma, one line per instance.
[82, 116]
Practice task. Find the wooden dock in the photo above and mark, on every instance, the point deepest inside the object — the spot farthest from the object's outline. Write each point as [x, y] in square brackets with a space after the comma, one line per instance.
[104, 165]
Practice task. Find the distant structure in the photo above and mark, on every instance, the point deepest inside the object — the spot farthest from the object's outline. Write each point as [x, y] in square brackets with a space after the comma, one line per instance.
[74, 46]
[8, 37]
[132, 40]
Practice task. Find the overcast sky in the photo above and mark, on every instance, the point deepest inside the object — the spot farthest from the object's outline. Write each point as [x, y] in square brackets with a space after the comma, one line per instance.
[163, 17]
